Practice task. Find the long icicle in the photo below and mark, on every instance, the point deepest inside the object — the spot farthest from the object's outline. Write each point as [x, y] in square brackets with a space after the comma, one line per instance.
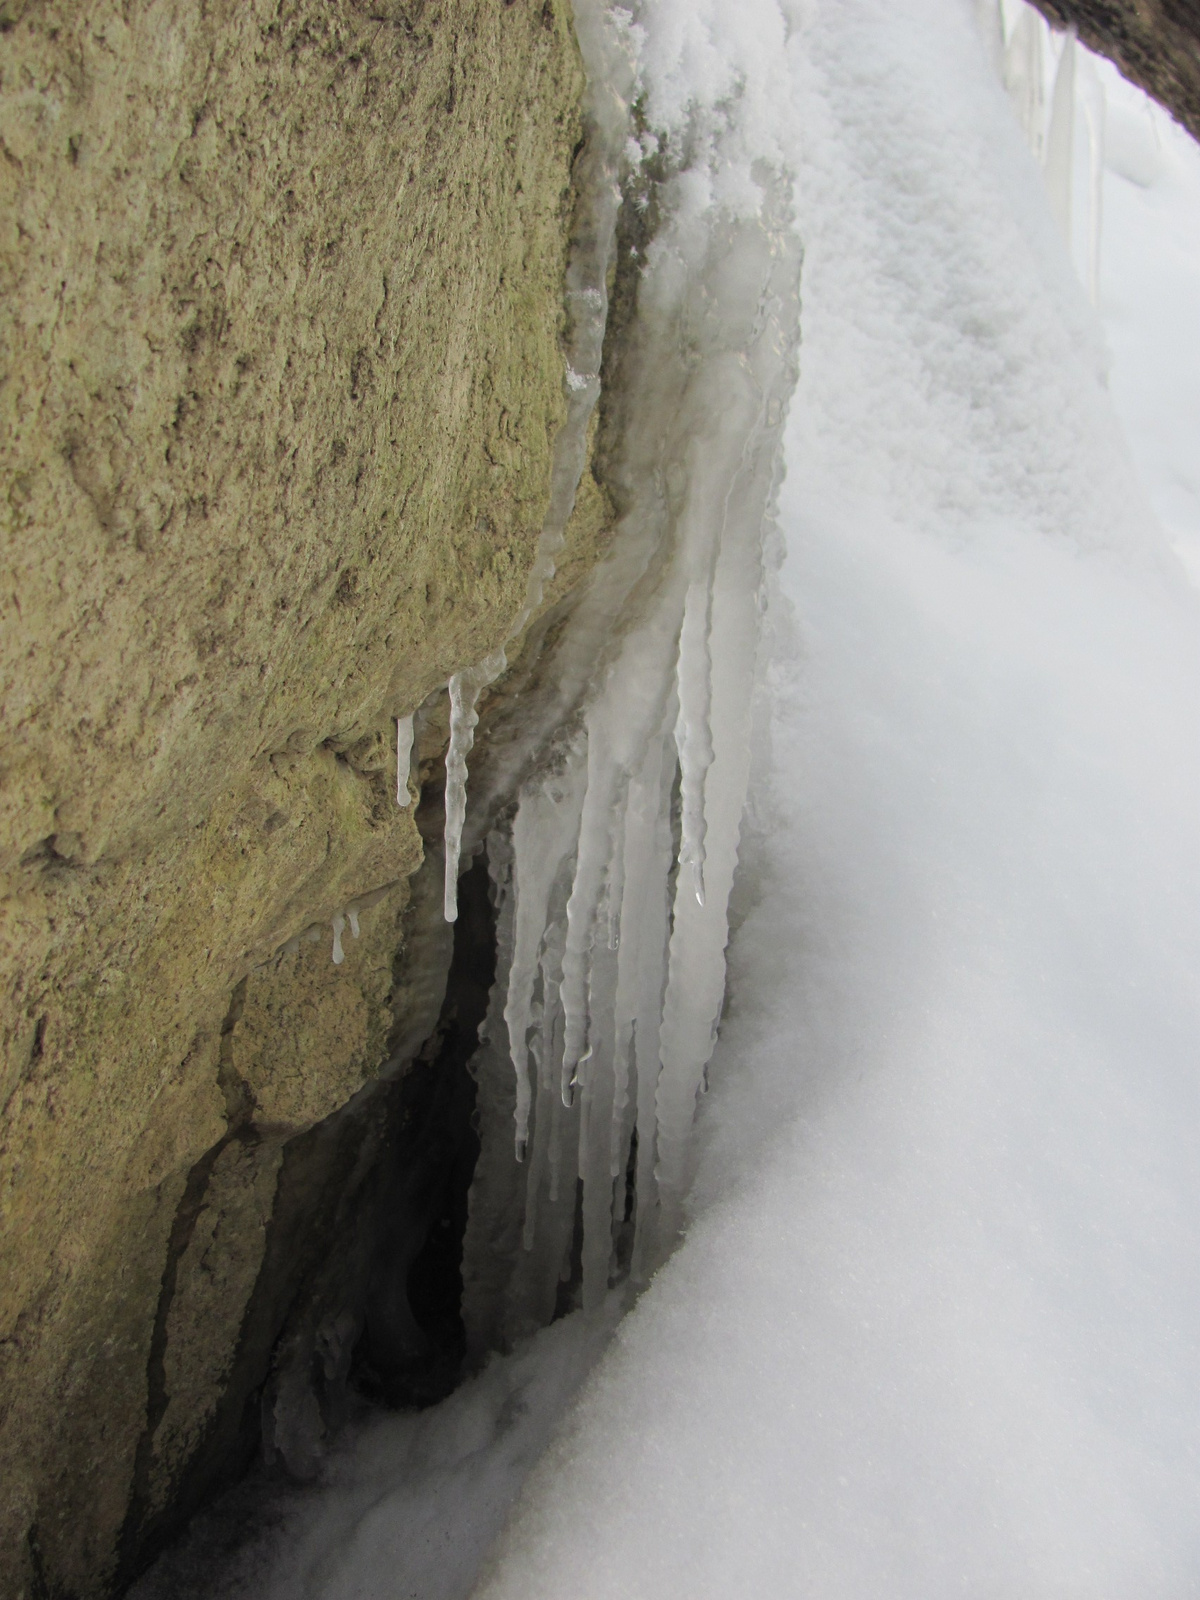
[544, 831]
[465, 689]
[404, 744]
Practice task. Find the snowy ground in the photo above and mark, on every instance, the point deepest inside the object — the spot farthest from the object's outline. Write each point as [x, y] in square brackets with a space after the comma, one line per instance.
[935, 1330]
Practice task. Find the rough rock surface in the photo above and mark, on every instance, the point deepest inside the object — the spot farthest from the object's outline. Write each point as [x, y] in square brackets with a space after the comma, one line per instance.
[280, 296]
[1156, 44]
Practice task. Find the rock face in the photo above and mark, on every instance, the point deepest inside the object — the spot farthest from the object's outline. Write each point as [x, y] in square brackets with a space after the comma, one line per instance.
[1156, 44]
[280, 305]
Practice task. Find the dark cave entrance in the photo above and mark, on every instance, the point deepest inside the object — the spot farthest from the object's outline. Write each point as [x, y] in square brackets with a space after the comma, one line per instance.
[413, 1345]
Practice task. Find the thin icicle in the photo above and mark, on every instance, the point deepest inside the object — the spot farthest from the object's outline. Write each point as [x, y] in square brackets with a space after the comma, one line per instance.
[1091, 96]
[544, 833]
[465, 689]
[647, 1025]
[352, 918]
[339, 955]
[553, 1053]
[404, 744]
[599, 1086]
[641, 881]
[1060, 141]
[595, 839]
[1025, 76]
[693, 736]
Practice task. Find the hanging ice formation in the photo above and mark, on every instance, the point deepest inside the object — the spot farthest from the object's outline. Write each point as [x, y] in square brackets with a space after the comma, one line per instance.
[404, 744]
[339, 927]
[612, 866]
[465, 689]
[1060, 138]
[1059, 100]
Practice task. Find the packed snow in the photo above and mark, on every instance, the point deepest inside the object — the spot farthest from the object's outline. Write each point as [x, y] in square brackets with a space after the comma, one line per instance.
[934, 1329]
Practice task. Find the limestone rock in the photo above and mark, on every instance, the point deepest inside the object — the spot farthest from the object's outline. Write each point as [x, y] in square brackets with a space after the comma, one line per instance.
[280, 296]
[1156, 44]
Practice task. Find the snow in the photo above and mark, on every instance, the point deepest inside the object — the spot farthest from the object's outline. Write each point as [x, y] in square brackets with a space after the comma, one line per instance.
[404, 746]
[934, 1329]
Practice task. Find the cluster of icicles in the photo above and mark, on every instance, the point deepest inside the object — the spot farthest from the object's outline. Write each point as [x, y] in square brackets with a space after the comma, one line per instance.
[1060, 101]
[611, 826]
[612, 865]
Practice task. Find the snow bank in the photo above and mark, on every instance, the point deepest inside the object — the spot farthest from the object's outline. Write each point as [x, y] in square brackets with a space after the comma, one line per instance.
[936, 1327]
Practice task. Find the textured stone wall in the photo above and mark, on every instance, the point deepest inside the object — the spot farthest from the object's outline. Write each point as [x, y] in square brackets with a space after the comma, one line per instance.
[280, 295]
[1156, 44]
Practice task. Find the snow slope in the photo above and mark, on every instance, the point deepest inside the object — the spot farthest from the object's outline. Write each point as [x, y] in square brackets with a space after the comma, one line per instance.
[935, 1330]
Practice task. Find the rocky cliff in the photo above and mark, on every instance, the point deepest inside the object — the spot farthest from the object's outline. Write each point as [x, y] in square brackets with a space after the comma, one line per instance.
[282, 287]
[1156, 44]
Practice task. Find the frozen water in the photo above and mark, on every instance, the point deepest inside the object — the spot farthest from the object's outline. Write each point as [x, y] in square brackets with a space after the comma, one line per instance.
[465, 689]
[404, 744]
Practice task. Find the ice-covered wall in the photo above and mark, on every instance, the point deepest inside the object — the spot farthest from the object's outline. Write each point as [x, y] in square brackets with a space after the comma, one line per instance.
[614, 860]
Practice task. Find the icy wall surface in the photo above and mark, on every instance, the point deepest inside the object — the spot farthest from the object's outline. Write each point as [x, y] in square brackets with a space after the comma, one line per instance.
[613, 864]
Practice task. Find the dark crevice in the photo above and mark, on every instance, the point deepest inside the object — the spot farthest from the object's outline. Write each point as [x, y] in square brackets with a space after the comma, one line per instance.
[358, 1299]
[570, 1284]
[43, 1586]
[142, 1532]
[135, 1531]
[413, 1343]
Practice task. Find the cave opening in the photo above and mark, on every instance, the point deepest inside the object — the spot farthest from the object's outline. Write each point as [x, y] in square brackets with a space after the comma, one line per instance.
[412, 1347]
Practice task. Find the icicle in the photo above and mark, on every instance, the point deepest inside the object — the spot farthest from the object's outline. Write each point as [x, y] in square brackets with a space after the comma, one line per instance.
[352, 915]
[554, 1055]
[339, 955]
[404, 744]
[1025, 76]
[599, 1087]
[494, 1225]
[647, 1023]
[465, 689]
[1093, 101]
[595, 840]
[544, 833]
[643, 879]
[611, 993]
[545, 1134]
[692, 733]
[1060, 141]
